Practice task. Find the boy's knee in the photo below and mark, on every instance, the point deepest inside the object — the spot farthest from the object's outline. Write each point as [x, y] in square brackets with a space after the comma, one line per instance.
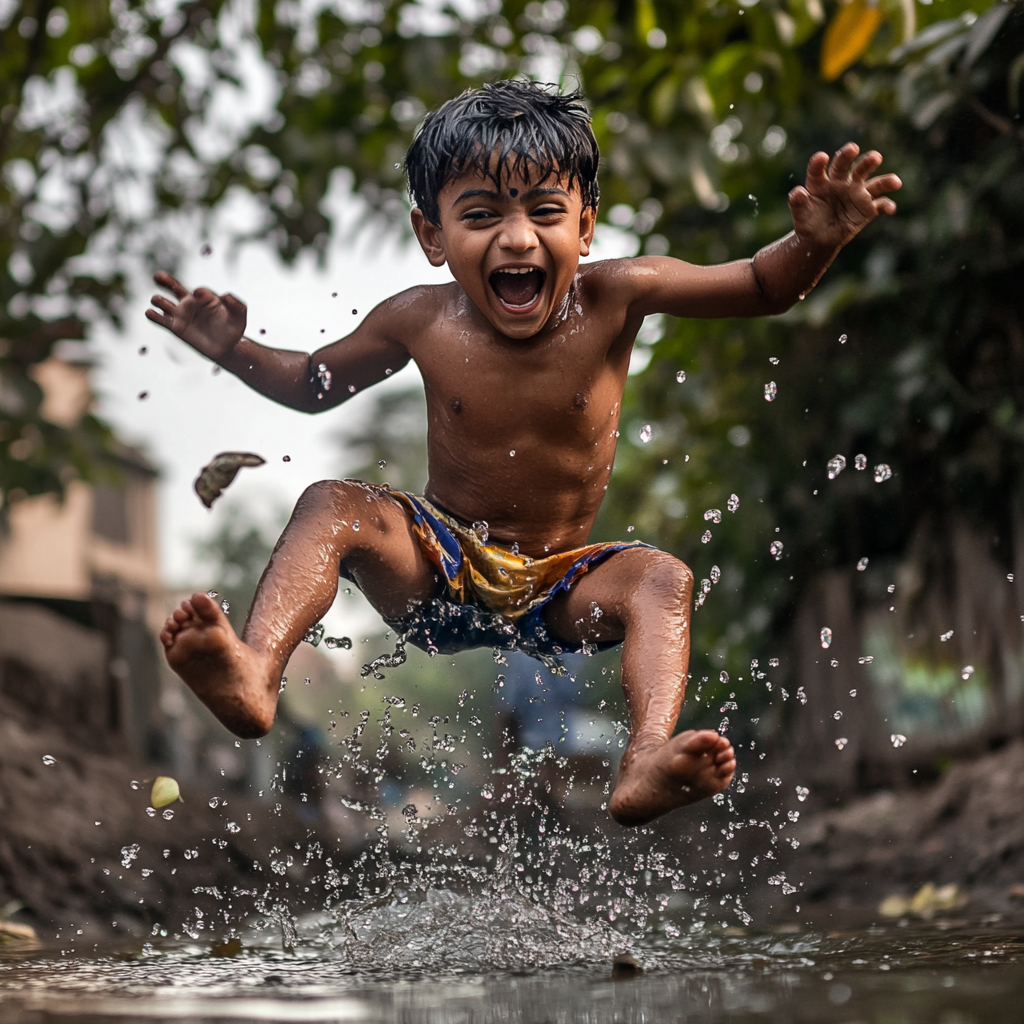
[667, 579]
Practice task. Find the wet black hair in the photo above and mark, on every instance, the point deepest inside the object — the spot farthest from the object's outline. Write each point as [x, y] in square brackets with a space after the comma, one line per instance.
[534, 130]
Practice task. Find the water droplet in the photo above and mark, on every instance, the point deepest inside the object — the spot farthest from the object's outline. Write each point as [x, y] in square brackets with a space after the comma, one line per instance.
[866, 659]
[167, 814]
[837, 715]
[793, 815]
[705, 537]
[355, 312]
[882, 473]
[860, 462]
[324, 376]
[733, 503]
[143, 350]
[773, 662]
[946, 636]
[481, 529]
[835, 466]
[206, 250]
[1009, 577]
[967, 672]
[646, 433]
[842, 339]
[680, 376]
[713, 515]
[286, 458]
[49, 759]
[826, 637]
[630, 529]
[332, 643]
[381, 463]
[214, 801]
[774, 360]
[212, 595]
[143, 395]
[898, 739]
[232, 827]
[771, 389]
[355, 526]
[314, 634]
[891, 589]
[715, 574]
[512, 454]
[841, 742]
[723, 677]
[862, 564]
[151, 811]
[802, 792]
[776, 548]
[801, 695]
[225, 606]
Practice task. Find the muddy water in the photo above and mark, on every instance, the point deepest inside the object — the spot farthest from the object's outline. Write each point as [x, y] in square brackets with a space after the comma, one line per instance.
[441, 959]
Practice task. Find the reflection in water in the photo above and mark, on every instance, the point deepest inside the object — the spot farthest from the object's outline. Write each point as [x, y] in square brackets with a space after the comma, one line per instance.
[936, 974]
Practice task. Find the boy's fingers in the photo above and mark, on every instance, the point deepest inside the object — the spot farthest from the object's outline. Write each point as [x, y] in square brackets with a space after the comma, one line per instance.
[204, 294]
[817, 167]
[157, 318]
[165, 280]
[885, 205]
[843, 160]
[230, 300]
[161, 303]
[882, 184]
[866, 164]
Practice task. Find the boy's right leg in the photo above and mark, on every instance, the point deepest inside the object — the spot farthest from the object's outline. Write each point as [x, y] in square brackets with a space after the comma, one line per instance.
[334, 522]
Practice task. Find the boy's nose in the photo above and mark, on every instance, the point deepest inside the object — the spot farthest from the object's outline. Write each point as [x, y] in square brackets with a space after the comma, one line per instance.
[517, 234]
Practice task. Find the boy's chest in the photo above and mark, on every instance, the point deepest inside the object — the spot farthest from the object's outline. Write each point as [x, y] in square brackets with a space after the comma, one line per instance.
[558, 385]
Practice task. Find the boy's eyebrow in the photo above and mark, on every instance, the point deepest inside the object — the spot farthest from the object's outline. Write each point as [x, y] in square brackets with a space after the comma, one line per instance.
[476, 193]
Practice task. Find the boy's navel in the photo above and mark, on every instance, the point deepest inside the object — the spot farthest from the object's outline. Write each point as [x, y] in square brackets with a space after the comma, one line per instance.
[456, 405]
[579, 400]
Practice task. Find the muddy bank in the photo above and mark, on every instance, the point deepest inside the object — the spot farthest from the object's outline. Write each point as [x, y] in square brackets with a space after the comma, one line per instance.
[967, 829]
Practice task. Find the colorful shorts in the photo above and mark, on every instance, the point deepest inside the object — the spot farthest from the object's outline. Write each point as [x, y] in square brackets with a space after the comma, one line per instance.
[493, 596]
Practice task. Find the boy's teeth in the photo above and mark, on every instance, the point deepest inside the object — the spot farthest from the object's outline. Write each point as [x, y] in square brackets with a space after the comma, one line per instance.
[517, 286]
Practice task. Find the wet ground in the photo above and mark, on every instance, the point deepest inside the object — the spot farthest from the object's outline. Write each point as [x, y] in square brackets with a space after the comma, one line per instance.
[938, 972]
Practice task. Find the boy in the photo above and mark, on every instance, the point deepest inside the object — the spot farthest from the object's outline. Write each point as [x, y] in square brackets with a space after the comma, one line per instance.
[524, 359]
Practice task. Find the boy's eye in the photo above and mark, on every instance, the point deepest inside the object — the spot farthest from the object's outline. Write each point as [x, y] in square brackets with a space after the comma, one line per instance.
[548, 211]
[479, 215]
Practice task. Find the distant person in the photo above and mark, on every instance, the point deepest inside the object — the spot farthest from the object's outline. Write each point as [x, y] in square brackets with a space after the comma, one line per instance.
[524, 360]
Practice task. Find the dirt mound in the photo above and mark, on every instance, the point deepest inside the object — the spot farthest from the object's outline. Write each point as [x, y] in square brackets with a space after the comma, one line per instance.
[967, 828]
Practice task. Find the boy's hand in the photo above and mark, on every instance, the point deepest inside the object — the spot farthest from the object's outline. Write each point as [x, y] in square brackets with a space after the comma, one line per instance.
[211, 324]
[839, 198]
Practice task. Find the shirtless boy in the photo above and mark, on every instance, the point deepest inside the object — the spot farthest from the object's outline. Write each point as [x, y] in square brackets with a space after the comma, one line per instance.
[524, 359]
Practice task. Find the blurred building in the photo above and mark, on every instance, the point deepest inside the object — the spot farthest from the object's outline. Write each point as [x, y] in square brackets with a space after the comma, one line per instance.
[86, 561]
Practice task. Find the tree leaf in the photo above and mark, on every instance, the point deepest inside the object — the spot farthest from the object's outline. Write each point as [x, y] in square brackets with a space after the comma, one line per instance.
[847, 37]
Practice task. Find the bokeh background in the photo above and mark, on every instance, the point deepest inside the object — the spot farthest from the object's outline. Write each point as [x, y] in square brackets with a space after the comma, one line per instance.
[844, 479]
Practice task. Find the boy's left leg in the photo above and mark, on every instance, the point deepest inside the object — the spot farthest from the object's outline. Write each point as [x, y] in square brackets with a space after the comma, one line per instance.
[644, 598]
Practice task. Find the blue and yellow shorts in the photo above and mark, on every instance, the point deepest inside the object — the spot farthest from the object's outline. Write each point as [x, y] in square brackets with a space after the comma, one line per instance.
[493, 597]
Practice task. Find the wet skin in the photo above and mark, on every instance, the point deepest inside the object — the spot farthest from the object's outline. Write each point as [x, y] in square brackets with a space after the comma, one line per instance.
[524, 360]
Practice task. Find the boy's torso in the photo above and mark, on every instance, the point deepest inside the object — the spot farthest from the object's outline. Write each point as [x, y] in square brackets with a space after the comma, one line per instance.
[522, 433]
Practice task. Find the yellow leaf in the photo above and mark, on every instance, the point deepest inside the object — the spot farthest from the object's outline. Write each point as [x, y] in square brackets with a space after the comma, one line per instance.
[894, 906]
[847, 37]
[165, 791]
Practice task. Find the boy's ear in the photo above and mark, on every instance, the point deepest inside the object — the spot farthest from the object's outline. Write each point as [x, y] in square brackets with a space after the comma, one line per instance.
[430, 237]
[588, 219]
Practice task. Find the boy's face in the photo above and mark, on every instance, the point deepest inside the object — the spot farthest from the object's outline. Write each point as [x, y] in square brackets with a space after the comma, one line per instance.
[514, 250]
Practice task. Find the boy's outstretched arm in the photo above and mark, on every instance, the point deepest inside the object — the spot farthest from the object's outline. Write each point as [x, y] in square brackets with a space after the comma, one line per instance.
[214, 325]
[838, 200]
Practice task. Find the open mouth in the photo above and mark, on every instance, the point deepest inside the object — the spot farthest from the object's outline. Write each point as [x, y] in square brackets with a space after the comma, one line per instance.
[518, 288]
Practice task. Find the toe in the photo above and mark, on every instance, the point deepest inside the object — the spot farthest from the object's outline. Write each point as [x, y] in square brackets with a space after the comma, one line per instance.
[206, 608]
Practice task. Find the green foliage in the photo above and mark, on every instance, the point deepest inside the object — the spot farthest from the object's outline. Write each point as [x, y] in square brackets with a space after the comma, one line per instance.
[116, 117]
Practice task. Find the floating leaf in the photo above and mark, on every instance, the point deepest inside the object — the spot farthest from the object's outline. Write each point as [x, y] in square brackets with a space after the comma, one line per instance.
[216, 476]
[847, 37]
[165, 791]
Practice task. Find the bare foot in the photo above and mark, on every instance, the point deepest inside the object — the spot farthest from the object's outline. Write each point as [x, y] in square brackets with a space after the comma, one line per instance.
[234, 681]
[657, 779]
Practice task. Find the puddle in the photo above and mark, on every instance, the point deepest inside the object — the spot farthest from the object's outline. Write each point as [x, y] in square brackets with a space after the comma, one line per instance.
[932, 974]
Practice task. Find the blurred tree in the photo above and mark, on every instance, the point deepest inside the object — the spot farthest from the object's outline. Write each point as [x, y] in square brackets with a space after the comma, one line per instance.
[119, 117]
[235, 555]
